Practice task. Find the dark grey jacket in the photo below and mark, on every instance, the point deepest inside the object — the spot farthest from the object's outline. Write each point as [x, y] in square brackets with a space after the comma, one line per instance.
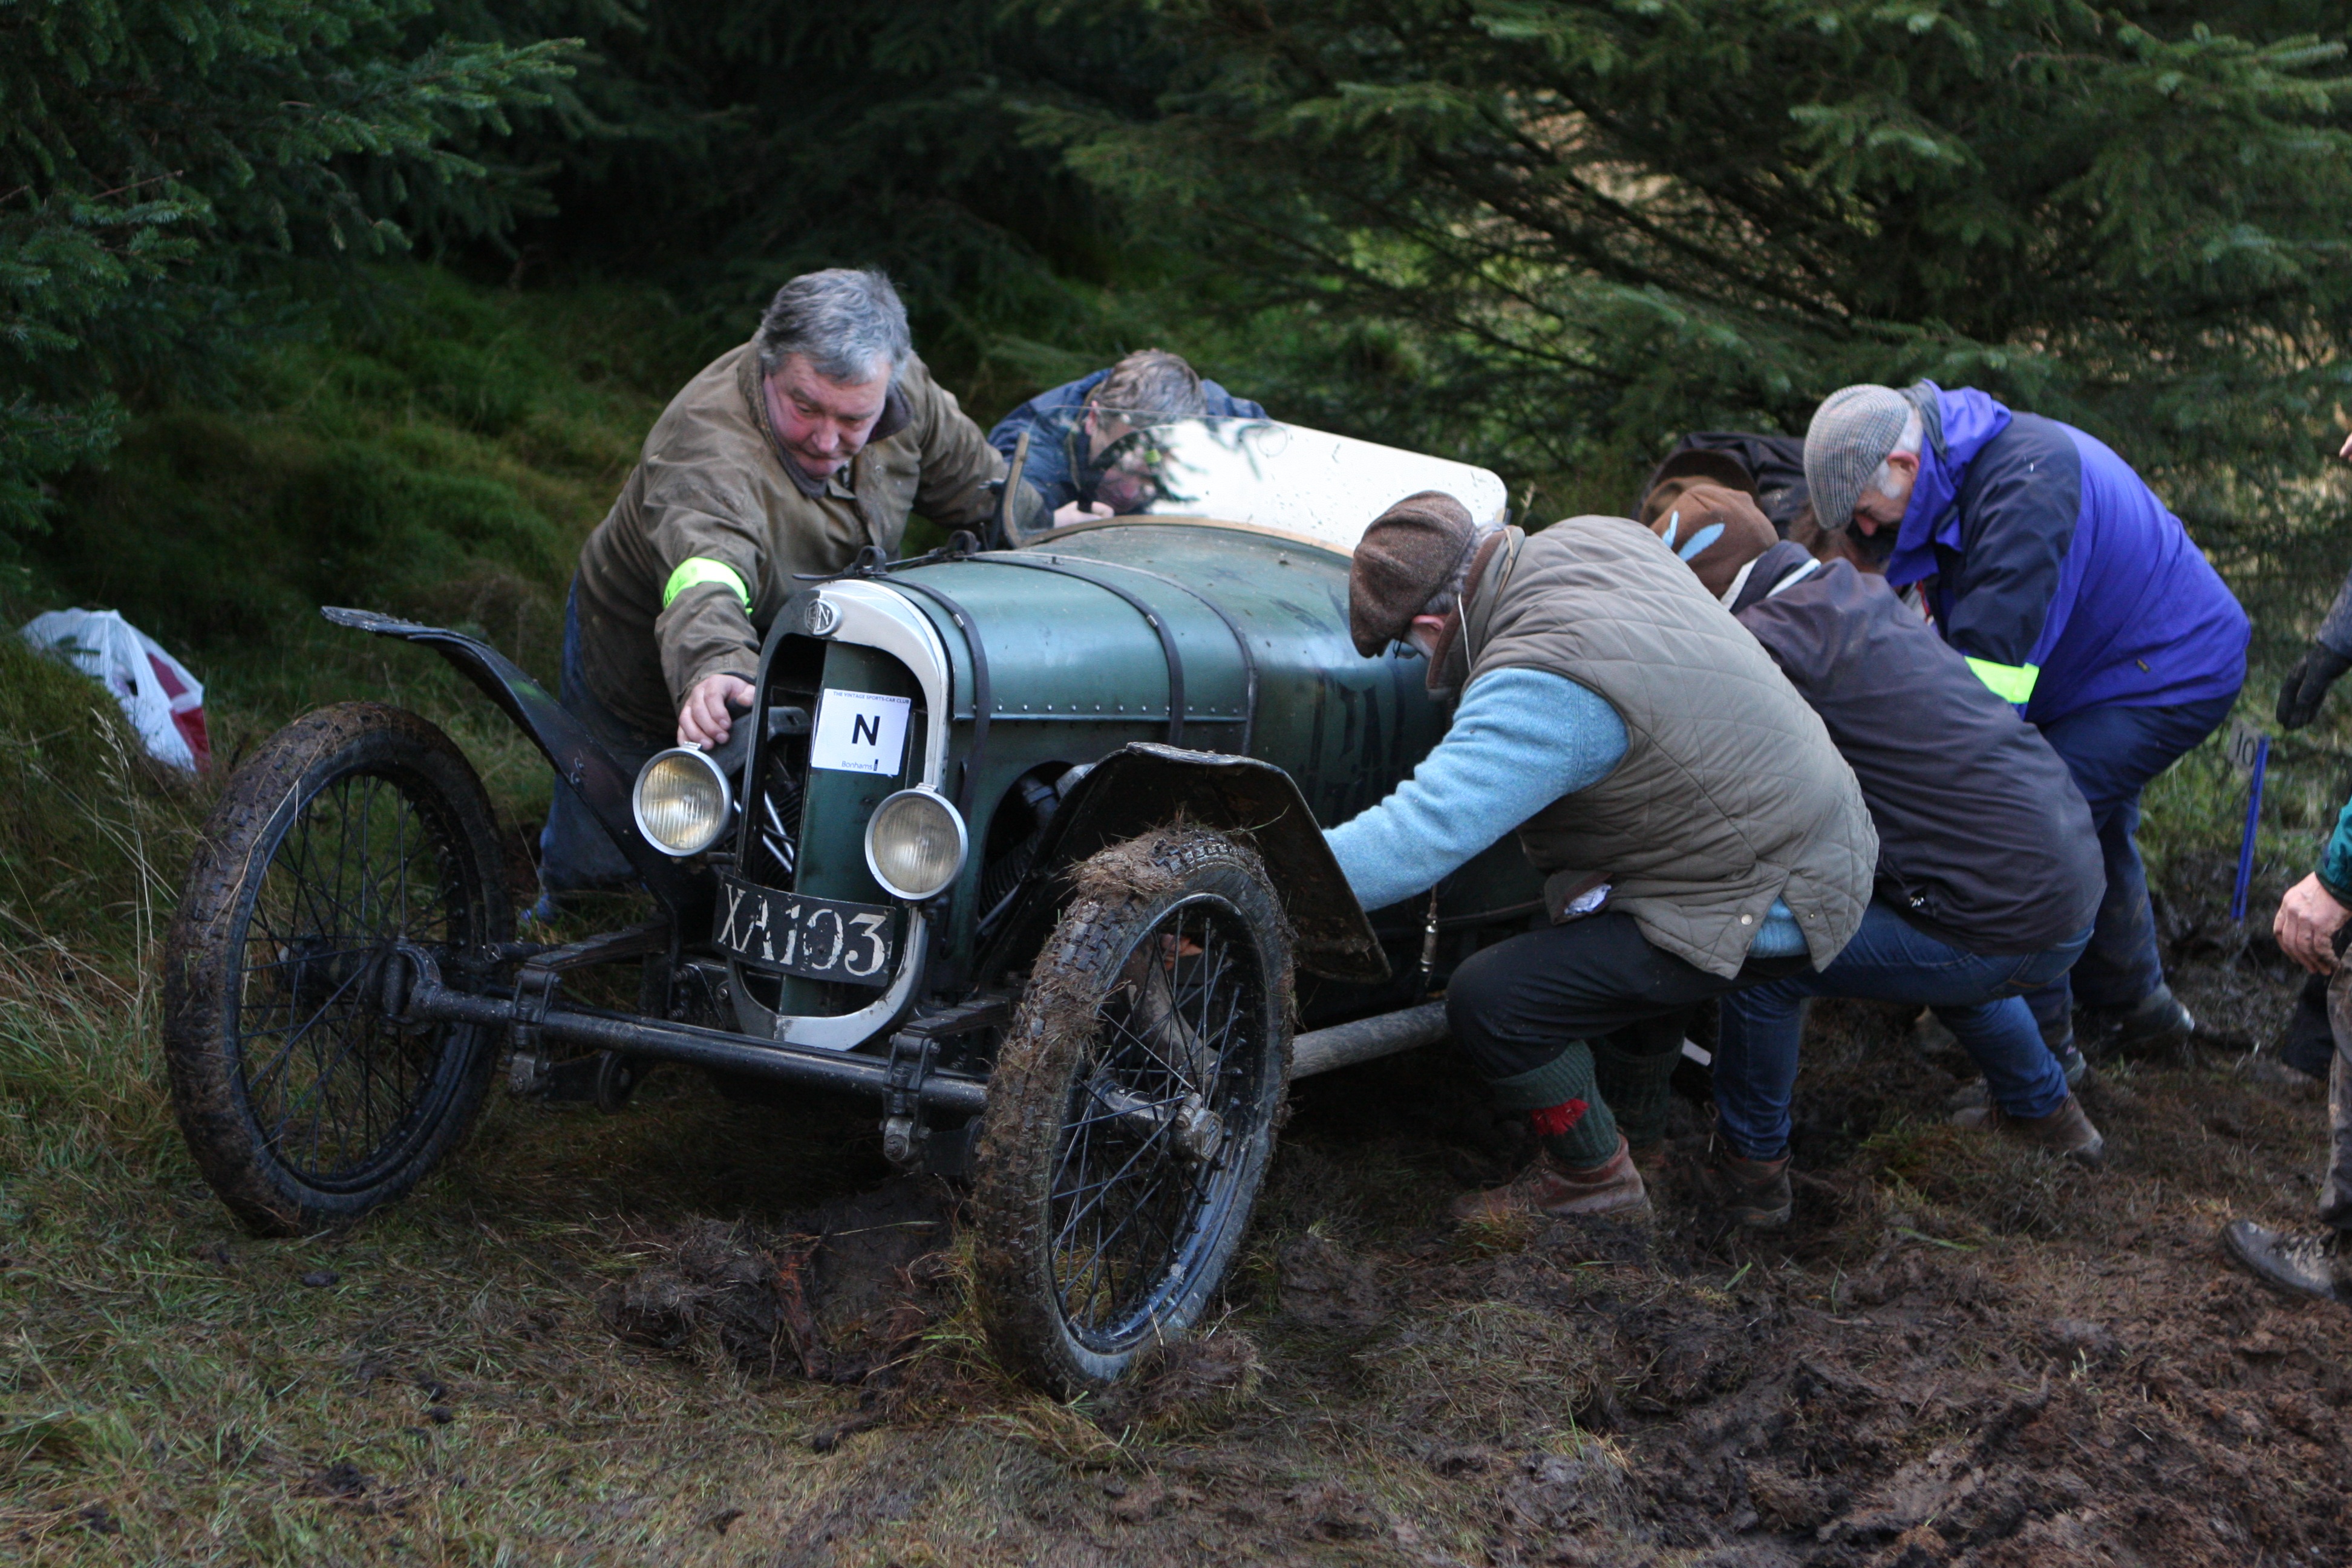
[1983, 839]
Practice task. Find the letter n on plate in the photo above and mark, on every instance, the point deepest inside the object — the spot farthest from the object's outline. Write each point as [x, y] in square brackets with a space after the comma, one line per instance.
[859, 731]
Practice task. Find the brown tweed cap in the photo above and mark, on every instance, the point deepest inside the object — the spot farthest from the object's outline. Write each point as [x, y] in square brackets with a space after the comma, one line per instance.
[1403, 558]
[1716, 531]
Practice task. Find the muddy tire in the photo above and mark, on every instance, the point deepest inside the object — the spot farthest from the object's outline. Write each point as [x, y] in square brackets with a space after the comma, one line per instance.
[1133, 1112]
[353, 828]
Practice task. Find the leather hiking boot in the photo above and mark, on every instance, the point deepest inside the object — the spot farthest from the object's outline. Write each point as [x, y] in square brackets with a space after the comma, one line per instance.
[2066, 1131]
[1650, 1159]
[2157, 1023]
[1748, 1192]
[2316, 1266]
[1548, 1188]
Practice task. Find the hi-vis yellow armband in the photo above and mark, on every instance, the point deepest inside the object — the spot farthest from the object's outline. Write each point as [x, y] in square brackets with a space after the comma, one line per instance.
[696, 570]
[2010, 682]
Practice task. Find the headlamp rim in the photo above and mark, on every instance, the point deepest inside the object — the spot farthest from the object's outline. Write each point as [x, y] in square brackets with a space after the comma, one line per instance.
[964, 843]
[726, 800]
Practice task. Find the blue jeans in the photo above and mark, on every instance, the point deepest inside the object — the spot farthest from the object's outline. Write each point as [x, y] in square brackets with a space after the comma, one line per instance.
[1980, 999]
[2112, 753]
[575, 851]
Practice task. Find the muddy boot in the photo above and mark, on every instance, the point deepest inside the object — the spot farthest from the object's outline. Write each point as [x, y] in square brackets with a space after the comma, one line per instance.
[1650, 1159]
[1551, 1190]
[1748, 1192]
[2066, 1131]
[2157, 1025]
[2317, 1265]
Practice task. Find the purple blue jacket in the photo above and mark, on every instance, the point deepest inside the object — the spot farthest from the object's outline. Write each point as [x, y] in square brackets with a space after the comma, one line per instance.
[2058, 574]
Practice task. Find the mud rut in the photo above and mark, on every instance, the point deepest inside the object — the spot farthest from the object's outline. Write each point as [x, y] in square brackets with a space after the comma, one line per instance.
[1958, 1354]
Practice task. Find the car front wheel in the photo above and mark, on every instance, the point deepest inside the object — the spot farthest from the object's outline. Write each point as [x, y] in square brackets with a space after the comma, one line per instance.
[354, 830]
[1131, 1114]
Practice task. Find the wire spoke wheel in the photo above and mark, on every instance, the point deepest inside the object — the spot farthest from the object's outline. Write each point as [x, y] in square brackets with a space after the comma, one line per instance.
[1131, 1114]
[337, 1090]
[354, 829]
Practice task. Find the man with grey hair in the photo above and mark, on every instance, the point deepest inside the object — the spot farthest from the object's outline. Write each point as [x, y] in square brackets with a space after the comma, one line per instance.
[787, 454]
[2073, 592]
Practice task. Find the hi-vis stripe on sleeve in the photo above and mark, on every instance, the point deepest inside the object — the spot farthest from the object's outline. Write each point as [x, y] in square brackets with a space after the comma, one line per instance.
[696, 570]
[2010, 682]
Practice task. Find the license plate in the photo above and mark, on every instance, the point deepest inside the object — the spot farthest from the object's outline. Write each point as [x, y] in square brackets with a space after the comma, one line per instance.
[816, 939]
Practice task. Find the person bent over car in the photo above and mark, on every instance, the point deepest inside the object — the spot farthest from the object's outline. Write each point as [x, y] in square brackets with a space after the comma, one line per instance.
[1987, 877]
[787, 454]
[2078, 597]
[1076, 431]
[1697, 830]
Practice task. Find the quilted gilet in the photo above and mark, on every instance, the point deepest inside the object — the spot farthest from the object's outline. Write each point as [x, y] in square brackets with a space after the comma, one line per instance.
[1730, 793]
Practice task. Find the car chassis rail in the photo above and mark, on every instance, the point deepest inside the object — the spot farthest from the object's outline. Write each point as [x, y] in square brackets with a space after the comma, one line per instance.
[412, 992]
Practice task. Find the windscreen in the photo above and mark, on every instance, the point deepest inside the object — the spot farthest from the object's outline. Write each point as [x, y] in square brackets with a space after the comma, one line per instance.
[1093, 465]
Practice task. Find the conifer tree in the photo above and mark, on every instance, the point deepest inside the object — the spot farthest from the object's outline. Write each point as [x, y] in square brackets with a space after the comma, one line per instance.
[155, 154]
[1556, 234]
[724, 148]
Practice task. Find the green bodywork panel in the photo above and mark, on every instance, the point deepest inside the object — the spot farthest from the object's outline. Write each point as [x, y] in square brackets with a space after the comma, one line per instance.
[1075, 672]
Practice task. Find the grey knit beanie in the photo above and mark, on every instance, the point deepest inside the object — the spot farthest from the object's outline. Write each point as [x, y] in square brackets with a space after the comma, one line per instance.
[1853, 432]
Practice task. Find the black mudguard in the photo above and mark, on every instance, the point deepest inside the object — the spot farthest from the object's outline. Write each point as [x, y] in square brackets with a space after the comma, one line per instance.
[1146, 785]
[579, 760]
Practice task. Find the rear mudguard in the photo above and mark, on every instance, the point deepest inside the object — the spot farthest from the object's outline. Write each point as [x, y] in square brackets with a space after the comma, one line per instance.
[1145, 784]
[579, 760]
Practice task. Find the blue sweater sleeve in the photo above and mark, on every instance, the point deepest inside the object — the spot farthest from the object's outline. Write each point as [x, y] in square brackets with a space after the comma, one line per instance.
[1520, 740]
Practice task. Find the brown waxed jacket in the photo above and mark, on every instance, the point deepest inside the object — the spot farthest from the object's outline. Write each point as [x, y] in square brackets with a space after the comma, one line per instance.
[1730, 793]
[711, 495]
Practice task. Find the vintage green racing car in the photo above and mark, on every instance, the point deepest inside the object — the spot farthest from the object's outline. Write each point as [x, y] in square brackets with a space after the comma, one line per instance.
[1024, 843]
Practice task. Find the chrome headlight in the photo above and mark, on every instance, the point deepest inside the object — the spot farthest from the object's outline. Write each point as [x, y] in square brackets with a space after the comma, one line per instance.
[682, 800]
[915, 844]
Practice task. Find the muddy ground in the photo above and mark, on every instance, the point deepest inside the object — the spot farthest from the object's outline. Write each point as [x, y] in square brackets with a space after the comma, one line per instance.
[712, 1333]
[1958, 1354]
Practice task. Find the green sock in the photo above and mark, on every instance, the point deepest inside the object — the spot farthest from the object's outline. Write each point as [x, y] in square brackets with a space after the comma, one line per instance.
[1566, 1110]
[1638, 1083]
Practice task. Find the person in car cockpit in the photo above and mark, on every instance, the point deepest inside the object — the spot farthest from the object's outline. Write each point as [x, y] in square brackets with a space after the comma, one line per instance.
[1078, 432]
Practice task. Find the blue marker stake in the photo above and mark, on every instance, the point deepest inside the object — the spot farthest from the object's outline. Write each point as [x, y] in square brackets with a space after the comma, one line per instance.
[2253, 815]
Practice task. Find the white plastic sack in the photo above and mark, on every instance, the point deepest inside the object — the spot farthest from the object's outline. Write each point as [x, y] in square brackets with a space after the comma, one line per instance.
[166, 704]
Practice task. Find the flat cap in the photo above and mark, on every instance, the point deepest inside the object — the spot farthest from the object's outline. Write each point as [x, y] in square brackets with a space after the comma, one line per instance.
[1853, 432]
[1716, 531]
[1404, 558]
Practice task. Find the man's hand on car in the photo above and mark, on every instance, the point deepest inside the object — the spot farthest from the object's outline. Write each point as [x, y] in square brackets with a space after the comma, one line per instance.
[2307, 921]
[1073, 511]
[704, 720]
